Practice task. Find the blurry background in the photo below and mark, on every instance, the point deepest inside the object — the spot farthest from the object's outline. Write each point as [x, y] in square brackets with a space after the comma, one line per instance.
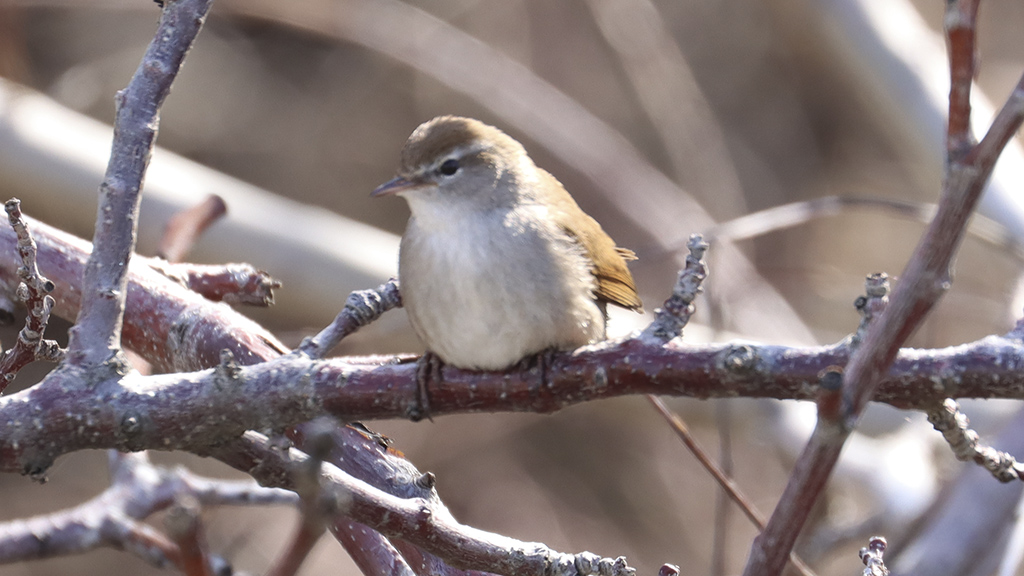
[643, 109]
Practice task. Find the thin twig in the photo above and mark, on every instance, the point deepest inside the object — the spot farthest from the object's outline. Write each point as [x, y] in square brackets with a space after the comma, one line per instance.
[872, 557]
[960, 24]
[719, 549]
[727, 484]
[34, 290]
[673, 316]
[361, 308]
[231, 283]
[185, 227]
[966, 444]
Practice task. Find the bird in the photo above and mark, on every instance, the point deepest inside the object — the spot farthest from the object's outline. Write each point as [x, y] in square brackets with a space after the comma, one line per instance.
[498, 263]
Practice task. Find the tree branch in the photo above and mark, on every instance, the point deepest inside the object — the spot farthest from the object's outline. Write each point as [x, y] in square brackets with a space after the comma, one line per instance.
[34, 290]
[418, 517]
[114, 518]
[96, 337]
[925, 279]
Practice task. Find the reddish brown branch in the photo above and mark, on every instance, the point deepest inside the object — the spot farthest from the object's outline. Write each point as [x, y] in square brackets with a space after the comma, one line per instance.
[172, 327]
[160, 311]
[960, 24]
[184, 525]
[369, 549]
[727, 484]
[185, 227]
[231, 283]
[174, 411]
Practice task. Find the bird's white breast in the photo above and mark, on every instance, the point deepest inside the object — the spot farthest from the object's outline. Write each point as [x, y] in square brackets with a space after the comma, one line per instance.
[485, 289]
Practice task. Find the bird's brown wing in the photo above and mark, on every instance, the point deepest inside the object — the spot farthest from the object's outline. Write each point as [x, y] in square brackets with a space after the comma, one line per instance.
[614, 282]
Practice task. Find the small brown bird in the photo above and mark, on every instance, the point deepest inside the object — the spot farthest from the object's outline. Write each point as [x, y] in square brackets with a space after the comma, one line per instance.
[498, 262]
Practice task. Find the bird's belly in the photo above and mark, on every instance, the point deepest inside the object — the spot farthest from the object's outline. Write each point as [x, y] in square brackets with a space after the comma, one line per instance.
[487, 307]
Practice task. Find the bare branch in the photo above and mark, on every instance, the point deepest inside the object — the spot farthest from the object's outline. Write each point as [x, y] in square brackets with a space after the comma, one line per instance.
[372, 552]
[171, 326]
[965, 443]
[114, 518]
[185, 527]
[674, 315]
[361, 308]
[231, 283]
[147, 412]
[316, 508]
[185, 227]
[960, 23]
[96, 337]
[421, 520]
[34, 290]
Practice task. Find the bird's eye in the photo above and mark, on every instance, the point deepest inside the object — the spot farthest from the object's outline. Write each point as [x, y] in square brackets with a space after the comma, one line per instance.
[449, 167]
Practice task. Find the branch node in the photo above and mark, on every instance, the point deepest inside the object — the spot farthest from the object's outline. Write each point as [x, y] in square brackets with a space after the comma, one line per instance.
[228, 370]
[871, 305]
[738, 359]
[829, 401]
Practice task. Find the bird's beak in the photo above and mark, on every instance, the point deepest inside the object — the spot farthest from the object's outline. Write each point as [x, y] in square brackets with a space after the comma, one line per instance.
[394, 186]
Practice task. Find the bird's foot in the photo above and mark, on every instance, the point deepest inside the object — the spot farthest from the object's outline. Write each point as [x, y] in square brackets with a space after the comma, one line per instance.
[541, 362]
[428, 368]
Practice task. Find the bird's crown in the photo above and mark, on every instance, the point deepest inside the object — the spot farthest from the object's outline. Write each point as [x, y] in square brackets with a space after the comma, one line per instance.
[454, 137]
